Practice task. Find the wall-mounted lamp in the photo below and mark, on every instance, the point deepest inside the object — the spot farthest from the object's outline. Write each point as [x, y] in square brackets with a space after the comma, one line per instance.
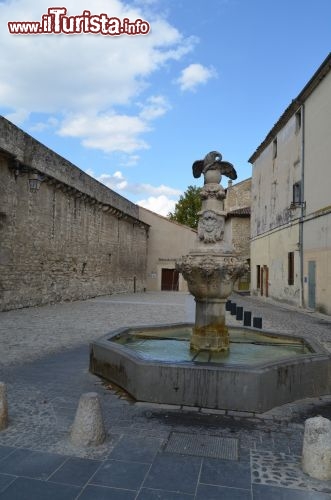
[35, 180]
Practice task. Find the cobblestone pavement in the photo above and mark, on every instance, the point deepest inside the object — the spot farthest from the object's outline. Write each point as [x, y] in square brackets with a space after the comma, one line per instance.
[288, 319]
[151, 451]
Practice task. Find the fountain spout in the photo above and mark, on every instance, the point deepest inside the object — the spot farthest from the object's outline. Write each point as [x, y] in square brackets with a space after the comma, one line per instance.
[213, 266]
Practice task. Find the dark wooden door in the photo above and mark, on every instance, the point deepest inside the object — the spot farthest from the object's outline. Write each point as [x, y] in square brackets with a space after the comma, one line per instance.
[266, 274]
[169, 280]
[264, 281]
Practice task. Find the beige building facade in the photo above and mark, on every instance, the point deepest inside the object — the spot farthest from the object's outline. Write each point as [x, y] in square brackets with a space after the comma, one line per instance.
[168, 241]
[291, 201]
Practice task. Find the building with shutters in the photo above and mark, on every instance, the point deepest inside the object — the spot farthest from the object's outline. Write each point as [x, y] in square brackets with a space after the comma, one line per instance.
[291, 201]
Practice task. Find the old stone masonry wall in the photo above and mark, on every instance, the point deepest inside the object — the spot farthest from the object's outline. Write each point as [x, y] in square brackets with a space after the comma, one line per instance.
[71, 239]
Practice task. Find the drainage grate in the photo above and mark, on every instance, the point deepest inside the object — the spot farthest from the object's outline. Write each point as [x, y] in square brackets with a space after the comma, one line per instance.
[203, 446]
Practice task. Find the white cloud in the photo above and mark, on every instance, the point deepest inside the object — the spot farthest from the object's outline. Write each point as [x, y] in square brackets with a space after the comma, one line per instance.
[160, 204]
[154, 190]
[161, 199]
[194, 75]
[115, 181]
[112, 132]
[109, 132]
[83, 79]
[51, 122]
[145, 2]
[154, 107]
[18, 116]
[118, 182]
[90, 172]
[130, 161]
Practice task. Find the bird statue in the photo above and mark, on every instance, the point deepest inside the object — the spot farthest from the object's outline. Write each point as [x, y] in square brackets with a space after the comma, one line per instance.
[213, 160]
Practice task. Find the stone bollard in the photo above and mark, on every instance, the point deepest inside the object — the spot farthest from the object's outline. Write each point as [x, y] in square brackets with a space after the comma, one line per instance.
[88, 427]
[316, 452]
[3, 407]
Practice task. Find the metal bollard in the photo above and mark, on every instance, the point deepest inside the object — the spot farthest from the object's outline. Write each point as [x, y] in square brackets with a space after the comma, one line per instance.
[257, 322]
[247, 318]
[228, 305]
[240, 313]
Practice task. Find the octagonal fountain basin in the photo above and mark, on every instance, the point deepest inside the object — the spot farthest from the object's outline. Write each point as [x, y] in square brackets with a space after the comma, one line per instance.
[262, 369]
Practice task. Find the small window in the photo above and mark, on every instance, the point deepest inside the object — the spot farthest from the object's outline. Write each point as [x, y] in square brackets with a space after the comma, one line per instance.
[297, 121]
[274, 148]
[290, 268]
[297, 192]
[258, 276]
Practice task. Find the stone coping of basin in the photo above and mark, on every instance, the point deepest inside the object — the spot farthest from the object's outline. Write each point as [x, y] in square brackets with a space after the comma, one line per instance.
[316, 348]
[255, 388]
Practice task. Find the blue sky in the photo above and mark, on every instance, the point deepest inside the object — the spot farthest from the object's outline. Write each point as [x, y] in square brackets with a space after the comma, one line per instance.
[136, 112]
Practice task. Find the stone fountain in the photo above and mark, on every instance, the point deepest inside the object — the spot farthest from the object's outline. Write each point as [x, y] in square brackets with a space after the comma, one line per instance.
[209, 364]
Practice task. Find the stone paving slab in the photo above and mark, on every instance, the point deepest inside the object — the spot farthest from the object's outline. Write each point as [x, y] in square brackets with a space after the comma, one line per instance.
[44, 363]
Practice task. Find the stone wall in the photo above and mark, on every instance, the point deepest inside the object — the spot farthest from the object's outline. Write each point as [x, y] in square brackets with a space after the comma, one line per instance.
[28, 151]
[72, 239]
[237, 203]
[240, 228]
[238, 195]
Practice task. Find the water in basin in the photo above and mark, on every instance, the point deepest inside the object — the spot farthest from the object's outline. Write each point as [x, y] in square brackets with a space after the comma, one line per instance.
[247, 347]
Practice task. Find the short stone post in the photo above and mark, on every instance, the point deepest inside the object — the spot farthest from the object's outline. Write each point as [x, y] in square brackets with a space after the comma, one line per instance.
[88, 427]
[316, 452]
[3, 407]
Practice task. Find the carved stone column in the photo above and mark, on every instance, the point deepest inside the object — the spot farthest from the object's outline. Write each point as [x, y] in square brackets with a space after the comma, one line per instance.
[212, 267]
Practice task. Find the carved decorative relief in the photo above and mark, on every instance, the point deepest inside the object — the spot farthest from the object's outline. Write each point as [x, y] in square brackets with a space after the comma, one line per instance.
[211, 227]
[199, 268]
[213, 191]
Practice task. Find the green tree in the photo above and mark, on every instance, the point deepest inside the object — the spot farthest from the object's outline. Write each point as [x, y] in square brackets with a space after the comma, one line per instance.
[187, 208]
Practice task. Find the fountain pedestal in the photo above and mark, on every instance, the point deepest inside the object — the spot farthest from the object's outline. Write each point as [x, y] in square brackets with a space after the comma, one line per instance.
[213, 266]
[210, 278]
[210, 331]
